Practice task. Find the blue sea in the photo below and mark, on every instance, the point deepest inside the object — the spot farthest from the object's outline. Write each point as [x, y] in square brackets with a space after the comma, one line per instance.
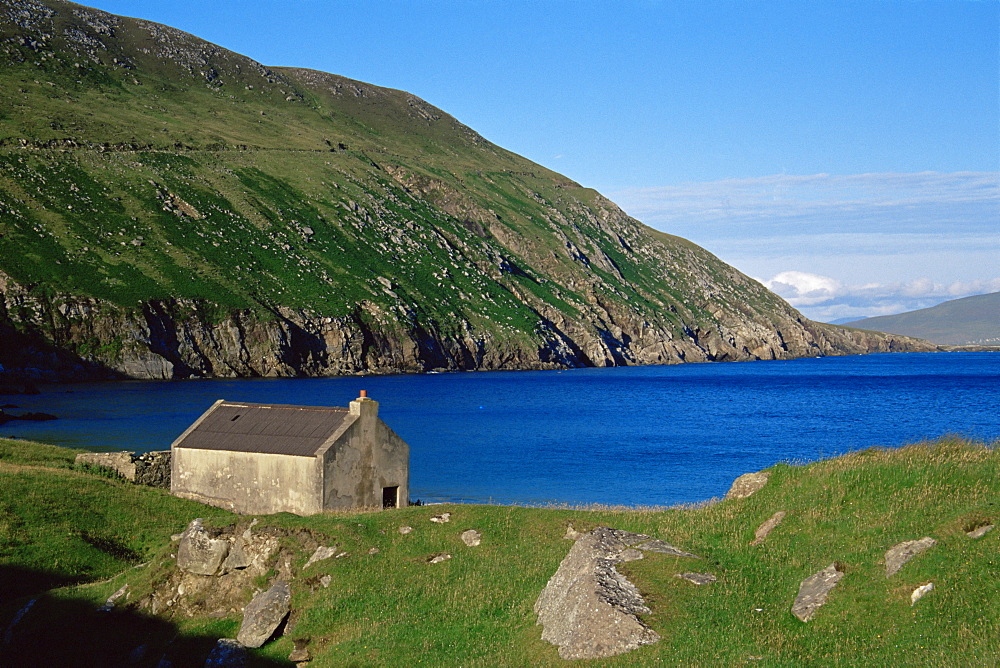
[655, 435]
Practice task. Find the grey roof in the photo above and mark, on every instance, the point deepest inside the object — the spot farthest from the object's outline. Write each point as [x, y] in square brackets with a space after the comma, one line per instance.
[265, 428]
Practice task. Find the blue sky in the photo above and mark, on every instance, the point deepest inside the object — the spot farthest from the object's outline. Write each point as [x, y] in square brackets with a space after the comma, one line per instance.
[844, 152]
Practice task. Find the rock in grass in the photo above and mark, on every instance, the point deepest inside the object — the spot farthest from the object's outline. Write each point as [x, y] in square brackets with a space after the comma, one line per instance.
[588, 608]
[471, 538]
[697, 578]
[899, 554]
[663, 547]
[264, 614]
[767, 527]
[980, 531]
[747, 484]
[814, 590]
[322, 552]
[198, 552]
[919, 592]
[300, 651]
[438, 558]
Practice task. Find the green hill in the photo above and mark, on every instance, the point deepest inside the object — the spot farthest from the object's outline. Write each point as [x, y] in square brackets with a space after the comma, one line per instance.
[968, 321]
[382, 603]
[169, 208]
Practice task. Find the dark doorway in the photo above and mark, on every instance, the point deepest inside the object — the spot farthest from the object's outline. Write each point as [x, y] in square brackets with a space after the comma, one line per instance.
[390, 497]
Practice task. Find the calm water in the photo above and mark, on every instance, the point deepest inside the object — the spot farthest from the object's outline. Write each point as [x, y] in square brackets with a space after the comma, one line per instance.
[635, 436]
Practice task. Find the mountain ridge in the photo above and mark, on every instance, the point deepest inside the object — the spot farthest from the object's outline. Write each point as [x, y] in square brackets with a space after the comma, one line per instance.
[968, 321]
[170, 208]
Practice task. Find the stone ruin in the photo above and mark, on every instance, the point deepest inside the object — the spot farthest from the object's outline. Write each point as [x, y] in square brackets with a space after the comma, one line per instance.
[149, 468]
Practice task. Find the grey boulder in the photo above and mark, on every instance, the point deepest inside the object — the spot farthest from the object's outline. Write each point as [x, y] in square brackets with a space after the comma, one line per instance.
[198, 552]
[814, 590]
[264, 614]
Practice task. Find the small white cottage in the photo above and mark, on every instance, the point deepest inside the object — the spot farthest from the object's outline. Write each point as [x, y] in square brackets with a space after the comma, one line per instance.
[269, 458]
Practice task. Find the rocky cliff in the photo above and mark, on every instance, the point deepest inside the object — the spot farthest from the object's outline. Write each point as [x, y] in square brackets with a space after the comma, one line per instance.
[172, 209]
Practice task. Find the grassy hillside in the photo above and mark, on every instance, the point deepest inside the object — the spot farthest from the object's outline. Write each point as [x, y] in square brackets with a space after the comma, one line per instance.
[968, 321]
[169, 208]
[391, 607]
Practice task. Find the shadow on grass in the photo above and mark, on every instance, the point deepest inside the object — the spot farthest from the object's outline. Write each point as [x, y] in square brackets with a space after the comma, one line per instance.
[59, 630]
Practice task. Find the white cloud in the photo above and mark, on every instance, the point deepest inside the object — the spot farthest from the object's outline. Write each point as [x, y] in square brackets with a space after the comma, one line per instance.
[800, 288]
[824, 298]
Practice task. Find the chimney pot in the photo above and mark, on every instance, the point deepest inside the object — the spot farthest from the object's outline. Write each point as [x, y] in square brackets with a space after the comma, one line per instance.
[363, 395]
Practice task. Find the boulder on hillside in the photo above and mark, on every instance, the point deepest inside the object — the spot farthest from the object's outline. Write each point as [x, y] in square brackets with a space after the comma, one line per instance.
[588, 608]
[264, 614]
[814, 590]
[767, 527]
[748, 484]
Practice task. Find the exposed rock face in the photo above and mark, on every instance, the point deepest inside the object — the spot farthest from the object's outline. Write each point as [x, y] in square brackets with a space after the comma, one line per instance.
[588, 608]
[814, 590]
[264, 614]
[747, 485]
[170, 339]
[198, 552]
[247, 556]
[899, 554]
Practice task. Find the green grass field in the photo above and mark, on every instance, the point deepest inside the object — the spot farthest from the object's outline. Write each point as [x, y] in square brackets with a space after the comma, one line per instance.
[88, 535]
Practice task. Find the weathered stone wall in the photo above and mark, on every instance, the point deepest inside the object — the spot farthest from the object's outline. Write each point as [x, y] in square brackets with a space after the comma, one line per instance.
[248, 482]
[366, 457]
[150, 468]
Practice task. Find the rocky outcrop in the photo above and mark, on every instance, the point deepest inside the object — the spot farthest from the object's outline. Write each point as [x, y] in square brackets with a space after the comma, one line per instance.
[198, 552]
[588, 608]
[219, 569]
[74, 338]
